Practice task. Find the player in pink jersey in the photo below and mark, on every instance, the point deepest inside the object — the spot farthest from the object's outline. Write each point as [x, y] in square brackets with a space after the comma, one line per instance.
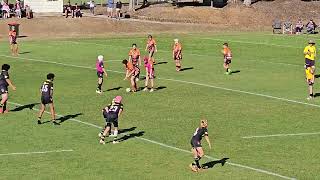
[148, 64]
[100, 72]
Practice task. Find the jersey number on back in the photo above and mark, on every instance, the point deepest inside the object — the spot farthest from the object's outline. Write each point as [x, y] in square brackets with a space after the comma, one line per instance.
[113, 108]
[44, 88]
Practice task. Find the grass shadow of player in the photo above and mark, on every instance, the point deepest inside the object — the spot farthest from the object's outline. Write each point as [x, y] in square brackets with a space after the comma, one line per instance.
[127, 130]
[26, 52]
[211, 164]
[317, 76]
[186, 69]
[27, 106]
[130, 136]
[162, 62]
[67, 117]
[235, 72]
[160, 87]
[316, 94]
[114, 89]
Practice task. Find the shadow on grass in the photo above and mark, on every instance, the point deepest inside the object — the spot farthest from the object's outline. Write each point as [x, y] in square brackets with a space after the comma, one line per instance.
[186, 69]
[27, 106]
[68, 117]
[127, 130]
[130, 136]
[211, 164]
[236, 71]
[114, 89]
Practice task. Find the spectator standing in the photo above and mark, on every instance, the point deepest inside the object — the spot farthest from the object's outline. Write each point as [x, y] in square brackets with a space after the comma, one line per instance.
[118, 9]
[110, 8]
[299, 27]
[92, 6]
[311, 27]
[5, 9]
[18, 9]
[28, 11]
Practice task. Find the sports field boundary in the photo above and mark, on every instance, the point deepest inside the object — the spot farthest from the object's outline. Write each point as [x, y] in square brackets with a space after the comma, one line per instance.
[281, 135]
[36, 152]
[174, 148]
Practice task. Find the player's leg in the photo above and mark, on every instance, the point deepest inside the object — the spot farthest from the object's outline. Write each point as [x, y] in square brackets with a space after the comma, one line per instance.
[12, 49]
[152, 85]
[4, 98]
[115, 132]
[200, 154]
[16, 49]
[100, 82]
[53, 114]
[146, 81]
[133, 83]
[310, 88]
[41, 111]
[193, 165]
[105, 133]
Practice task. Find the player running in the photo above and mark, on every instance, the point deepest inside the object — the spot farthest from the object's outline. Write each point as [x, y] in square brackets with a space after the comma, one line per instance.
[310, 53]
[100, 72]
[310, 81]
[177, 54]
[4, 83]
[151, 48]
[13, 42]
[227, 55]
[131, 74]
[148, 64]
[111, 113]
[197, 150]
[46, 91]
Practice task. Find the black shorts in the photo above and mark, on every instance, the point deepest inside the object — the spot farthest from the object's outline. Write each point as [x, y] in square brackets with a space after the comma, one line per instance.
[46, 100]
[111, 118]
[309, 63]
[227, 61]
[195, 143]
[3, 89]
[13, 42]
[100, 74]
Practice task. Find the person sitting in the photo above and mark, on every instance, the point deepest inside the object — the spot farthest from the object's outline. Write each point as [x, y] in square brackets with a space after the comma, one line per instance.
[311, 27]
[77, 11]
[18, 9]
[5, 9]
[299, 27]
[287, 27]
[277, 26]
[68, 9]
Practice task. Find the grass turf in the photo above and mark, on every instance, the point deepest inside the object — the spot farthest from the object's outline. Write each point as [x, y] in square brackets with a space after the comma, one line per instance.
[268, 65]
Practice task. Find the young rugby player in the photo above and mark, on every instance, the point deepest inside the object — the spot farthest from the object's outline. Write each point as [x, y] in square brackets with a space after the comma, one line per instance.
[111, 113]
[310, 53]
[13, 42]
[131, 74]
[4, 83]
[134, 55]
[227, 56]
[46, 91]
[310, 81]
[197, 150]
[100, 72]
[148, 64]
[177, 54]
[151, 48]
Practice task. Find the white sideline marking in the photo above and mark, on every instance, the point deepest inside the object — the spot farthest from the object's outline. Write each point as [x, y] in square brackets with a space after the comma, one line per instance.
[172, 147]
[281, 135]
[40, 152]
[181, 81]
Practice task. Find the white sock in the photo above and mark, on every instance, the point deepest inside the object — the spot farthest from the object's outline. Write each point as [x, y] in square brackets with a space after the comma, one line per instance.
[115, 133]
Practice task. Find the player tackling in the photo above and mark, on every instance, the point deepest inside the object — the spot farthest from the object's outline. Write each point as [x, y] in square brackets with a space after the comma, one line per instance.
[197, 149]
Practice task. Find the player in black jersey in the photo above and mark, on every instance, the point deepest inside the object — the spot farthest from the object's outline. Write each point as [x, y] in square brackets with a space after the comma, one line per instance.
[197, 149]
[111, 114]
[46, 91]
[4, 83]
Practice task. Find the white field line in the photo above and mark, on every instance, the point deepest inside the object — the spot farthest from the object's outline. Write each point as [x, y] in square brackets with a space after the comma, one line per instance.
[175, 148]
[281, 135]
[40, 152]
[180, 81]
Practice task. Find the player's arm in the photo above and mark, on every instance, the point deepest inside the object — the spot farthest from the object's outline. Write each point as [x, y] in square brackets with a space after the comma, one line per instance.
[120, 111]
[10, 84]
[306, 51]
[147, 47]
[155, 47]
[130, 73]
[139, 60]
[208, 140]
[105, 72]
[127, 75]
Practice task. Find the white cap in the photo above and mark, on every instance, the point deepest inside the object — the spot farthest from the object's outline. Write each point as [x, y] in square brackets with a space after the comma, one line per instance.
[176, 40]
[100, 58]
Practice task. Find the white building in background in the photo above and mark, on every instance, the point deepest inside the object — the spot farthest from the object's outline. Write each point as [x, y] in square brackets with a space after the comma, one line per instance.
[42, 6]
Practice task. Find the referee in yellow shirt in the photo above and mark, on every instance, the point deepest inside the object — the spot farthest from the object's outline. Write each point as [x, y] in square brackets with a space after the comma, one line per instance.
[310, 53]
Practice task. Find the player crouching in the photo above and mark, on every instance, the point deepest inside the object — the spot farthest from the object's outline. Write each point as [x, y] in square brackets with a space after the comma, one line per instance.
[111, 113]
[148, 64]
[132, 73]
[197, 150]
[310, 80]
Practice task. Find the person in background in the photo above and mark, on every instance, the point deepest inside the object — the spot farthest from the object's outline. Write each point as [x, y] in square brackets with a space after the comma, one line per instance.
[299, 27]
[110, 8]
[5, 9]
[77, 11]
[28, 12]
[91, 6]
[311, 27]
[68, 9]
[18, 9]
[13, 41]
[118, 9]
[177, 54]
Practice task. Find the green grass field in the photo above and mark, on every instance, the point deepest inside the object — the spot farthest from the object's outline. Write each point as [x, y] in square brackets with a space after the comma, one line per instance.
[267, 96]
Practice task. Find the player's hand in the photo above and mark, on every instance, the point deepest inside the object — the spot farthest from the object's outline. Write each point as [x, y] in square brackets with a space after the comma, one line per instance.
[156, 50]
[14, 88]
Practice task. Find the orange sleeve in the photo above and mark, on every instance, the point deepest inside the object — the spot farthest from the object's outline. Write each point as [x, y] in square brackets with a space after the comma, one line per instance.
[130, 52]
